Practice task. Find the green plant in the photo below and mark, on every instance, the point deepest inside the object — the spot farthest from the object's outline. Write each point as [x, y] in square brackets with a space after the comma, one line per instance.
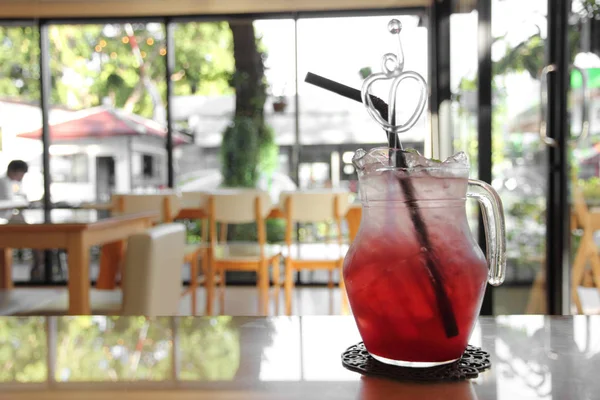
[240, 153]
[268, 151]
[590, 188]
[365, 72]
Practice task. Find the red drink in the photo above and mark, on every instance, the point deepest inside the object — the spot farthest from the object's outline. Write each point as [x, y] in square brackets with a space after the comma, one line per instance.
[389, 286]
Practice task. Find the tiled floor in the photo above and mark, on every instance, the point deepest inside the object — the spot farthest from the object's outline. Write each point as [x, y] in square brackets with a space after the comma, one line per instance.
[239, 300]
[242, 300]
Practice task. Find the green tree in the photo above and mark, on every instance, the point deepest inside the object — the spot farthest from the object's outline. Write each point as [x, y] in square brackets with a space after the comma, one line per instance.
[90, 62]
[248, 142]
[204, 59]
[19, 62]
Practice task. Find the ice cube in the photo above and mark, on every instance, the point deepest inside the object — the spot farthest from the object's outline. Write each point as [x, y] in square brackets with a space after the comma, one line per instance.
[358, 158]
[459, 159]
[381, 158]
[414, 159]
[371, 160]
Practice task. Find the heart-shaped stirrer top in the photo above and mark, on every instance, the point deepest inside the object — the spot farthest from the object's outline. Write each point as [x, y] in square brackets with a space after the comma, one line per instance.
[392, 66]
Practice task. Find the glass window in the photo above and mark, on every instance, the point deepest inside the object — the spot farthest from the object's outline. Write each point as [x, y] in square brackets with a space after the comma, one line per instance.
[208, 70]
[70, 168]
[20, 113]
[462, 130]
[108, 83]
[346, 50]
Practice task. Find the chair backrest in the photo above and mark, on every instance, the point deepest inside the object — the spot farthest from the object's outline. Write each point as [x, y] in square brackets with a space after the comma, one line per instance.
[238, 206]
[194, 199]
[152, 281]
[315, 205]
[167, 204]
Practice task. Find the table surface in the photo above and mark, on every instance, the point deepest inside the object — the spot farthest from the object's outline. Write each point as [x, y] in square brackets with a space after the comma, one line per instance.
[57, 216]
[533, 357]
[66, 217]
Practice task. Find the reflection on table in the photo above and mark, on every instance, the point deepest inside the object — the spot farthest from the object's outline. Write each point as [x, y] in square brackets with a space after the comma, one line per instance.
[283, 357]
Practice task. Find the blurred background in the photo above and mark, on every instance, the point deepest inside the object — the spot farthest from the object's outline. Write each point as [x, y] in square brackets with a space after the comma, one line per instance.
[141, 100]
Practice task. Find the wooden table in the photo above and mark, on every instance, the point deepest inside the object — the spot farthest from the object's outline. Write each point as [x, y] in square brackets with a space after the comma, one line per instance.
[533, 357]
[76, 231]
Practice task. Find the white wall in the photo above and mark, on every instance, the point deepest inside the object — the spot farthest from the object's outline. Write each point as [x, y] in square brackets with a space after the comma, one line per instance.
[86, 192]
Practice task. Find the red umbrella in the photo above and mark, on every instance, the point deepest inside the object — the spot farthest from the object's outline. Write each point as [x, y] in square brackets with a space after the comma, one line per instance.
[100, 122]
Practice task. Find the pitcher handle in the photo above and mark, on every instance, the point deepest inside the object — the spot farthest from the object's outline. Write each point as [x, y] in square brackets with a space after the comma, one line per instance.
[493, 223]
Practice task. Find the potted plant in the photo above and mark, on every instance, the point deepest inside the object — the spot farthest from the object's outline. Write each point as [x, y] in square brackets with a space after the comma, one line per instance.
[279, 104]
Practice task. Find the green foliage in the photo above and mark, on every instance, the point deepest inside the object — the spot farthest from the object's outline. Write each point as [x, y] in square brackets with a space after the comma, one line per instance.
[90, 62]
[591, 189]
[23, 350]
[93, 349]
[105, 348]
[528, 208]
[526, 56]
[529, 55]
[204, 59]
[19, 62]
[268, 152]
[210, 349]
[275, 229]
[240, 153]
[365, 72]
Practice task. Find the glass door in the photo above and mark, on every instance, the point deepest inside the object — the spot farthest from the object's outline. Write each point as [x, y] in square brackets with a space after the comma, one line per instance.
[584, 160]
[519, 158]
[545, 157]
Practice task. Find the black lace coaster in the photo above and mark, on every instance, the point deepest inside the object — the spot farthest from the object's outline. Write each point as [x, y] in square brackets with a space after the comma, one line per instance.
[473, 361]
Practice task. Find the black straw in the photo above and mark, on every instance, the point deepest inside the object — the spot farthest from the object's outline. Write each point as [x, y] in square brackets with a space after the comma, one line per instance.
[442, 299]
[354, 94]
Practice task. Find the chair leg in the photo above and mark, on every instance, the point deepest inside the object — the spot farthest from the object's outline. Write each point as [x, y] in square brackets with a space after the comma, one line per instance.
[194, 280]
[577, 272]
[222, 291]
[276, 281]
[209, 282]
[330, 281]
[345, 307]
[288, 285]
[263, 287]
[595, 262]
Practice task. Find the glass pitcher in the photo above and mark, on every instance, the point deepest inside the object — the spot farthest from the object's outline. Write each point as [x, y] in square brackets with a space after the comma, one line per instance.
[414, 275]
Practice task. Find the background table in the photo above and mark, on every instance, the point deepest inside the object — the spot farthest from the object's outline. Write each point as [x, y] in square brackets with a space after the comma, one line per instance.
[533, 357]
[74, 230]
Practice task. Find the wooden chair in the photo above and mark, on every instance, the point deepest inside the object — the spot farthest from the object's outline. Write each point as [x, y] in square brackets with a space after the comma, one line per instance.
[313, 207]
[168, 203]
[194, 205]
[149, 286]
[241, 207]
[589, 221]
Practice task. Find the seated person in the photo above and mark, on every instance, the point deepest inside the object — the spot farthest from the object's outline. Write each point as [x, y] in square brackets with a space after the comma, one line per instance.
[9, 186]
